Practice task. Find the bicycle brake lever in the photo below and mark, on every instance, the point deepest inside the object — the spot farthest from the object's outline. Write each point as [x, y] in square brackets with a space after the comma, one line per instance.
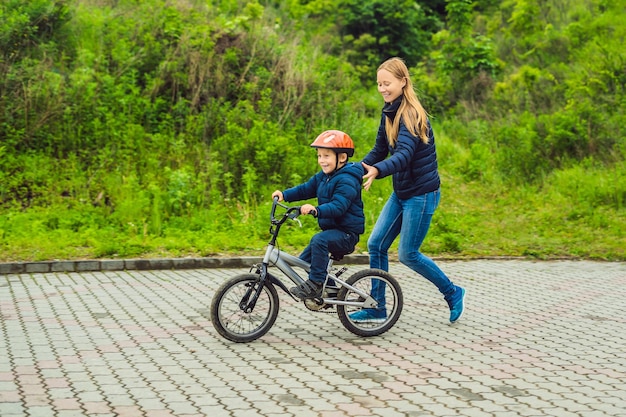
[293, 215]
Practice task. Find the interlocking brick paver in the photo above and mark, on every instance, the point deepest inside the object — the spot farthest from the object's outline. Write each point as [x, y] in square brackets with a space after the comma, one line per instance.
[538, 339]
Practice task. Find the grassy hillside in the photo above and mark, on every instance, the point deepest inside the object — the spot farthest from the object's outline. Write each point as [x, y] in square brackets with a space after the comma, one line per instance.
[160, 128]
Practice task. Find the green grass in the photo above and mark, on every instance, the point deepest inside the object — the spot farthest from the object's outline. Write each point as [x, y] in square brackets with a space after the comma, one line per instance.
[472, 221]
[575, 212]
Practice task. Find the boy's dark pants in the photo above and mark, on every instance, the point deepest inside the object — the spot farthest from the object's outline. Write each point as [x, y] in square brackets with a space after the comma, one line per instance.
[323, 243]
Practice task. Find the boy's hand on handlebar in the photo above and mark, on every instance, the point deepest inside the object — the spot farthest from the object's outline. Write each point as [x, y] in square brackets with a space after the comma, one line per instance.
[277, 194]
[308, 209]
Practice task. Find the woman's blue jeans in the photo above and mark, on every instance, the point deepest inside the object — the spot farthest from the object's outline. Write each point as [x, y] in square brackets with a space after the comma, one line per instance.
[410, 219]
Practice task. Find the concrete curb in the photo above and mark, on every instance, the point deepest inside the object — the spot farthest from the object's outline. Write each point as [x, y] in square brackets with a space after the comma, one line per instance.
[144, 264]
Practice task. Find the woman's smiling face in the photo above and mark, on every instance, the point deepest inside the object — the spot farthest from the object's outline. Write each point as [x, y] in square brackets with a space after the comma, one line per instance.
[389, 86]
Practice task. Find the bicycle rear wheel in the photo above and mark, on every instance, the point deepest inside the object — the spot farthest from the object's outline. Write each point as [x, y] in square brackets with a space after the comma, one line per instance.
[234, 324]
[367, 322]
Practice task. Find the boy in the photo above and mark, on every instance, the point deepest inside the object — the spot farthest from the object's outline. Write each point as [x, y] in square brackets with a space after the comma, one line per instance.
[339, 208]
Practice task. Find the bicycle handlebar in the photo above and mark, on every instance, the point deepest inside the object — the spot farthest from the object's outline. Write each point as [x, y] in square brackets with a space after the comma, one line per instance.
[291, 213]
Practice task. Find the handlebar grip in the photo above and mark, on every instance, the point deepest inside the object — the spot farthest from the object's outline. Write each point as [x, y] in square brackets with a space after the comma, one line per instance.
[312, 213]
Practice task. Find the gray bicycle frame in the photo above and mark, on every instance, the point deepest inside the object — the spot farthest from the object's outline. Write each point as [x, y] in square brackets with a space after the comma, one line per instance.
[285, 263]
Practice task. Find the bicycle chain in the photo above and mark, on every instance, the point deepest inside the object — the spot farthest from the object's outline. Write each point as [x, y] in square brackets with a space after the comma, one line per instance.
[320, 308]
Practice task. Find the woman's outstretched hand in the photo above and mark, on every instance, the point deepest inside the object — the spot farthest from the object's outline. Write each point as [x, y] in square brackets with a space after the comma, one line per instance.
[370, 175]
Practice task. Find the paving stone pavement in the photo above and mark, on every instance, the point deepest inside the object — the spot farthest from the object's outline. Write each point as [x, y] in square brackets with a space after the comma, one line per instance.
[537, 339]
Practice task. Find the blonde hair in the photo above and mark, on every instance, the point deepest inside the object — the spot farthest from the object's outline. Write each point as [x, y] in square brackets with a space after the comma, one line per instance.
[411, 111]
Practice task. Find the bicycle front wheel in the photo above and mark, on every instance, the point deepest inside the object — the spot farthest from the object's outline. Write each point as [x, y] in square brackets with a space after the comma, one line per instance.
[234, 324]
[385, 290]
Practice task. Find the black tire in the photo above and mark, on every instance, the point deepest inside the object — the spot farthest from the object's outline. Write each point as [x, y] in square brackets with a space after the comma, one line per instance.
[234, 324]
[363, 281]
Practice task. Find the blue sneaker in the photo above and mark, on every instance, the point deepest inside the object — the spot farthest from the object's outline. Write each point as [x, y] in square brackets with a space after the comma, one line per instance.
[372, 315]
[456, 304]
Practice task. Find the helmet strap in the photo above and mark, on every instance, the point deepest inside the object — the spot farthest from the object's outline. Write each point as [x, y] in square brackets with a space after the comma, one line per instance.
[343, 163]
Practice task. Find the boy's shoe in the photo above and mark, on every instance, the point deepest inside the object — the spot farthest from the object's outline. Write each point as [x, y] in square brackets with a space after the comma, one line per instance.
[308, 289]
[372, 315]
[456, 304]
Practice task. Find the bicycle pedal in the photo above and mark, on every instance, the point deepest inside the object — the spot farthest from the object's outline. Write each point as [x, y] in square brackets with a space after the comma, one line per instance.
[313, 304]
[341, 271]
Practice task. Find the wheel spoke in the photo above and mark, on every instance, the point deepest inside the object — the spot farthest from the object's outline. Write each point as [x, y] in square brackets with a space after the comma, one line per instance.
[231, 321]
[385, 290]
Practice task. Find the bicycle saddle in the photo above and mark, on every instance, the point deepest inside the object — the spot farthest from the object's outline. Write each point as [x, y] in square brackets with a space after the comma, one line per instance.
[337, 256]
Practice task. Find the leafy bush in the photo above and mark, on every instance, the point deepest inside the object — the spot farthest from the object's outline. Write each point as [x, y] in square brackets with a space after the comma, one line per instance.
[132, 128]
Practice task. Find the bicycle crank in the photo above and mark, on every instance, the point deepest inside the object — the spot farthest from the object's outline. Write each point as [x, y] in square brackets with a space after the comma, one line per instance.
[317, 304]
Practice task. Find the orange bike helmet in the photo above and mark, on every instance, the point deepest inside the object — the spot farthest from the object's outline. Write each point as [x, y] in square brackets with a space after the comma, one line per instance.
[336, 140]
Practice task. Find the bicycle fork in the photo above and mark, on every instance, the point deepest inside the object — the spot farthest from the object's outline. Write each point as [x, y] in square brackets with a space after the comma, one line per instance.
[249, 299]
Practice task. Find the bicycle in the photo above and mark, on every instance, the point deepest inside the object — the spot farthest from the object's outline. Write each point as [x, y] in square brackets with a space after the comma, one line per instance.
[245, 307]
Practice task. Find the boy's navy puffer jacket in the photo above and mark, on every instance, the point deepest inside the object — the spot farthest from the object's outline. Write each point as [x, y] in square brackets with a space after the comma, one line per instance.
[339, 203]
[412, 163]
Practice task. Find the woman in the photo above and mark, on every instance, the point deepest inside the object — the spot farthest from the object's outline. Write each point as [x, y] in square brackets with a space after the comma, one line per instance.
[405, 135]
